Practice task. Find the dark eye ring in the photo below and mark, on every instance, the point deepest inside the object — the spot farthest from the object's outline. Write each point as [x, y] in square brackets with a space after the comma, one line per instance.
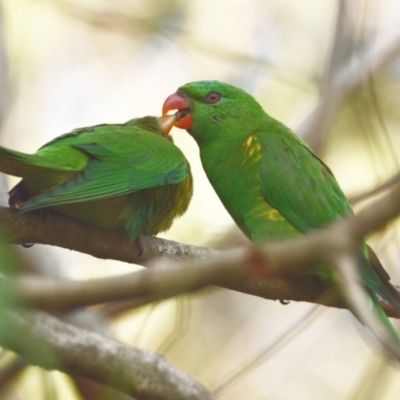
[213, 97]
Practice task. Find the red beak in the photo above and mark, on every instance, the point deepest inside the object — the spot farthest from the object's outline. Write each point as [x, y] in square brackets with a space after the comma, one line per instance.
[177, 102]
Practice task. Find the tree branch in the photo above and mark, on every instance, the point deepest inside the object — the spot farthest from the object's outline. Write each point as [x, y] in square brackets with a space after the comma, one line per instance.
[56, 230]
[241, 269]
[359, 300]
[58, 345]
[376, 190]
[314, 126]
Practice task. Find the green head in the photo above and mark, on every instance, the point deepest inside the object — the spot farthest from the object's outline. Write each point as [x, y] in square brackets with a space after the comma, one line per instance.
[211, 110]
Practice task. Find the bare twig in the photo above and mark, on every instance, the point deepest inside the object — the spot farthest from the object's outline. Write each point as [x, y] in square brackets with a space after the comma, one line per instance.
[375, 191]
[313, 128]
[377, 214]
[59, 345]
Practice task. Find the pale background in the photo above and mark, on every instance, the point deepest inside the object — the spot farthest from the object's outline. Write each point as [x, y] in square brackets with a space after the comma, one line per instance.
[78, 63]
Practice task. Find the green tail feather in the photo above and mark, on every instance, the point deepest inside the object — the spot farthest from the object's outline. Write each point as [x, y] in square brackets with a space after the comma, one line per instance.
[377, 308]
[14, 163]
[379, 284]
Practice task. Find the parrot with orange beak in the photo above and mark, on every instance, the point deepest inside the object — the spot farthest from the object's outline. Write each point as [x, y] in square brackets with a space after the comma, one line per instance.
[269, 180]
[127, 177]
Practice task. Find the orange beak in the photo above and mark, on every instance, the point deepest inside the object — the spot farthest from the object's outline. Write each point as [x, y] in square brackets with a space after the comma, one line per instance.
[176, 102]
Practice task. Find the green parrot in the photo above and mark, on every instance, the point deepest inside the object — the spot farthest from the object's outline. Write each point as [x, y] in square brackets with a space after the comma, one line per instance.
[269, 181]
[125, 176]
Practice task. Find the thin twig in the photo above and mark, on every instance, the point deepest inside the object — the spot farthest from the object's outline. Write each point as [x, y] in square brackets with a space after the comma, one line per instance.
[349, 78]
[346, 266]
[375, 191]
[314, 127]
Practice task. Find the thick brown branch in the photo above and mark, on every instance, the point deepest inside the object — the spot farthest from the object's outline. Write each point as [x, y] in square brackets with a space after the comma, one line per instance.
[54, 344]
[239, 269]
[56, 230]
[236, 269]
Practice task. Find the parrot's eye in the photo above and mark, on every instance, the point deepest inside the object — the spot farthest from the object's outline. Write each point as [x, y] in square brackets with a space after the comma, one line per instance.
[212, 97]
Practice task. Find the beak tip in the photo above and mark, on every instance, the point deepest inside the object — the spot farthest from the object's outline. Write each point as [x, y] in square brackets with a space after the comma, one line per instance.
[167, 122]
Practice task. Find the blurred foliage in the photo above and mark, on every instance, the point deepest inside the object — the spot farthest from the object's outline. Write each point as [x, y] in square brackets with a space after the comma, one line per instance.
[76, 63]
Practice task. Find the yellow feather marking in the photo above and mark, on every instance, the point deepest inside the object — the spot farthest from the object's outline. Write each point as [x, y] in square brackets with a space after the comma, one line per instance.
[252, 146]
[266, 211]
[249, 140]
[254, 149]
[274, 215]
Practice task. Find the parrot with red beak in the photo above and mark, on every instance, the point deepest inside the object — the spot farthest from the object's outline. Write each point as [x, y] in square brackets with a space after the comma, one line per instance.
[269, 180]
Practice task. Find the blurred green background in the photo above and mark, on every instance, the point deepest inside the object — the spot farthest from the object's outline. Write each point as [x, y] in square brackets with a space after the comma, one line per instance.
[72, 63]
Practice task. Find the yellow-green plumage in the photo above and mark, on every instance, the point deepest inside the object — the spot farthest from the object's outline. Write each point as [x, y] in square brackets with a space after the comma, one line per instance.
[125, 176]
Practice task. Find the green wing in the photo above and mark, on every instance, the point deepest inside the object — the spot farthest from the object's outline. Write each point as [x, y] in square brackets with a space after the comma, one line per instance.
[133, 159]
[298, 183]
[303, 189]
